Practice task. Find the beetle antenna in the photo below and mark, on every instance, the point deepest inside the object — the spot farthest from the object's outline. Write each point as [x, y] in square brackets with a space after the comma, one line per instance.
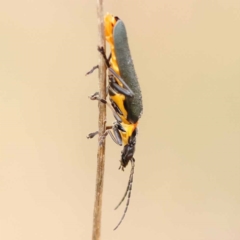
[129, 182]
[128, 190]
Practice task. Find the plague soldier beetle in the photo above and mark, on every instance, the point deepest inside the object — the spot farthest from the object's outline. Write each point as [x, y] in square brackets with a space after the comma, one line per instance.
[124, 94]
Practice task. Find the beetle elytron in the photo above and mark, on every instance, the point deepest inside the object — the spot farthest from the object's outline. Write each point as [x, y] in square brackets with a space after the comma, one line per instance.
[124, 94]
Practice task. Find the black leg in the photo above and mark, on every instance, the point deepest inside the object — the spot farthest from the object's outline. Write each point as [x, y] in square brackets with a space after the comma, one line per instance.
[115, 136]
[127, 92]
[92, 70]
[95, 96]
[93, 134]
[102, 51]
[115, 75]
[119, 89]
[107, 60]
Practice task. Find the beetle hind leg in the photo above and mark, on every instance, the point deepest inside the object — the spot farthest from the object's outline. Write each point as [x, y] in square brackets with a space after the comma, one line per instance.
[95, 96]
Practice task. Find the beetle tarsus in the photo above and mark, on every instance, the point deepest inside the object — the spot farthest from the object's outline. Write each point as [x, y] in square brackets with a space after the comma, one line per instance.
[94, 96]
[92, 135]
[92, 70]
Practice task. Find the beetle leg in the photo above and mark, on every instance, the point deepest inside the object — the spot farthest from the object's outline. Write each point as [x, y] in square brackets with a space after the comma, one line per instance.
[116, 130]
[93, 134]
[113, 138]
[107, 60]
[95, 96]
[92, 70]
[128, 92]
[119, 89]
[115, 75]
[116, 136]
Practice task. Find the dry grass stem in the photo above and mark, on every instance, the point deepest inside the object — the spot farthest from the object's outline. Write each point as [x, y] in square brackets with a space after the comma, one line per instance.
[101, 125]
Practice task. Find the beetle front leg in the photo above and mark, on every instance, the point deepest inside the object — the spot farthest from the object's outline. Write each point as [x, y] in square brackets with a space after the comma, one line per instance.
[107, 60]
[116, 136]
[101, 138]
[93, 134]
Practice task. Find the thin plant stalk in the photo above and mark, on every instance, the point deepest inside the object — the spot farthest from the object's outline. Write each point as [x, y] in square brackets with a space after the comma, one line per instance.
[101, 126]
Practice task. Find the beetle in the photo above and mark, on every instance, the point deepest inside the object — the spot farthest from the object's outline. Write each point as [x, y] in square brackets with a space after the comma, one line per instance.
[124, 94]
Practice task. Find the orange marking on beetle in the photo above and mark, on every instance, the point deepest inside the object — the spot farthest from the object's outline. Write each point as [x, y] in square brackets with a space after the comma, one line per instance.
[129, 130]
[110, 22]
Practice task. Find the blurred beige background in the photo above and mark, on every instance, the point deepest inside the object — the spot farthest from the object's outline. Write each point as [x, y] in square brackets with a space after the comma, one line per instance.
[187, 181]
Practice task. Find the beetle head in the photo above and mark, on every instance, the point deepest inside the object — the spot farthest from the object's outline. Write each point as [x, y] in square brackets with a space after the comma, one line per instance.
[128, 150]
